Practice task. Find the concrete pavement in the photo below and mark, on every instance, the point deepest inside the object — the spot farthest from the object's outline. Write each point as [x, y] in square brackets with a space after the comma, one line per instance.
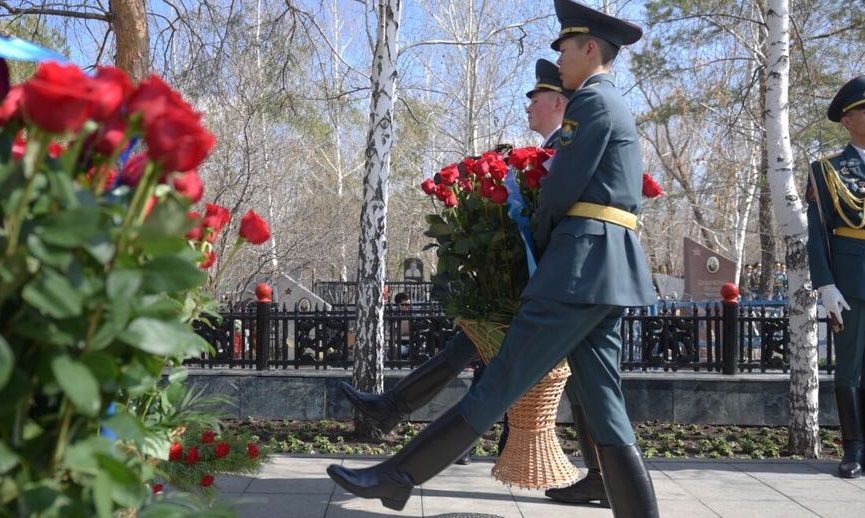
[293, 486]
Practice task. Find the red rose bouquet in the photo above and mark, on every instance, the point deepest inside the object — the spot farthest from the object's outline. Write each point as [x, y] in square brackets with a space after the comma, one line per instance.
[481, 230]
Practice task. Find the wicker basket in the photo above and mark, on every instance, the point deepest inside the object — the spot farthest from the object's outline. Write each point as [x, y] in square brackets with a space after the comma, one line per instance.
[533, 457]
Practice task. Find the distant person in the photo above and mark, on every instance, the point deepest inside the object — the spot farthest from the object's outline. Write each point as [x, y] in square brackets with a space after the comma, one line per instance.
[403, 304]
[836, 247]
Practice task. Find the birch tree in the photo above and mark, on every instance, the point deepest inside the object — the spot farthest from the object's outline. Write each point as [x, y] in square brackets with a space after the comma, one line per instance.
[368, 370]
[804, 436]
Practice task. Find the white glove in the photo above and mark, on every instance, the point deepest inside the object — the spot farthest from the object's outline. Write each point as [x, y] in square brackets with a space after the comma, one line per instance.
[833, 301]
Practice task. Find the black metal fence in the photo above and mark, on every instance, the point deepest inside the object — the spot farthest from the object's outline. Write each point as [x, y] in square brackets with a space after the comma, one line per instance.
[715, 337]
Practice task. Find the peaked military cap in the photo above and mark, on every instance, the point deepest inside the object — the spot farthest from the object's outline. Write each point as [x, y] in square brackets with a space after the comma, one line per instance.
[848, 97]
[577, 18]
[547, 78]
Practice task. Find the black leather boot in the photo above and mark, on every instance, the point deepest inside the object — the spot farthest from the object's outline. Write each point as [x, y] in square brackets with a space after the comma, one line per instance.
[629, 486]
[426, 455]
[466, 458]
[410, 393]
[850, 416]
[591, 487]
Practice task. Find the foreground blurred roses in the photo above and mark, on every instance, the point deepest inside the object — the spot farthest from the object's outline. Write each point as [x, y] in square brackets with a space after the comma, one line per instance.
[101, 275]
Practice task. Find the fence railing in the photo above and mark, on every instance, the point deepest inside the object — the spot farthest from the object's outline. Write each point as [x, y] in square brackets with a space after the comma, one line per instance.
[725, 337]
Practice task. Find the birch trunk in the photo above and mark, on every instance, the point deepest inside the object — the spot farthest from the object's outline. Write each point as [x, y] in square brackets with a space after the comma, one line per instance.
[804, 425]
[368, 370]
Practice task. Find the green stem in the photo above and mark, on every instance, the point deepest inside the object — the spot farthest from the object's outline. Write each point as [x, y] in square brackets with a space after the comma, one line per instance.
[15, 223]
[65, 422]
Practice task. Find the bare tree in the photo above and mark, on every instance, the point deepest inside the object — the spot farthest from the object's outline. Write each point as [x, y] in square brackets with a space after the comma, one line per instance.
[368, 372]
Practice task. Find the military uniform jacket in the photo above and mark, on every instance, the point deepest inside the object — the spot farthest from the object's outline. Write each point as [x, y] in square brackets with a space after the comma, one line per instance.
[597, 160]
[835, 259]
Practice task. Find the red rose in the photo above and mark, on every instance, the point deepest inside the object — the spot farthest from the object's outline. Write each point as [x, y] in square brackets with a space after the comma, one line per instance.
[495, 165]
[189, 184]
[499, 194]
[252, 450]
[209, 259]
[111, 135]
[101, 178]
[468, 164]
[466, 184]
[222, 449]
[59, 98]
[153, 97]
[481, 168]
[10, 107]
[133, 169]
[178, 140]
[215, 216]
[19, 145]
[192, 455]
[544, 154]
[428, 186]
[487, 185]
[206, 480]
[533, 176]
[175, 452]
[207, 436]
[112, 87]
[254, 228]
[194, 233]
[449, 174]
[520, 157]
[55, 149]
[651, 188]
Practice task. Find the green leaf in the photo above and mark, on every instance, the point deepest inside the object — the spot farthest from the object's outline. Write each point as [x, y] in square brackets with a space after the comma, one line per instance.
[8, 459]
[125, 426]
[78, 383]
[163, 338]
[126, 488]
[102, 495]
[52, 294]
[56, 229]
[167, 219]
[7, 362]
[51, 255]
[123, 283]
[104, 368]
[172, 274]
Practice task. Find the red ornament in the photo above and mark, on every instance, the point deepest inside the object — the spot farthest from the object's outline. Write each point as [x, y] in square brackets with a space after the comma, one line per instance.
[263, 292]
[730, 292]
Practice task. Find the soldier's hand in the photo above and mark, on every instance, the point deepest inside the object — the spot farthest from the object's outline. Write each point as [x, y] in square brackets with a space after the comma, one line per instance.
[833, 301]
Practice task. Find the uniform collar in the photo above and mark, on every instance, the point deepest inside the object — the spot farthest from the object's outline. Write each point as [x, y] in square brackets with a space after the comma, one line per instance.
[547, 138]
[597, 77]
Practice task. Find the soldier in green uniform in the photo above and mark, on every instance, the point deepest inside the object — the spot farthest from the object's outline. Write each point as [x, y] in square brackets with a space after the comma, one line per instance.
[591, 267]
[836, 253]
[547, 101]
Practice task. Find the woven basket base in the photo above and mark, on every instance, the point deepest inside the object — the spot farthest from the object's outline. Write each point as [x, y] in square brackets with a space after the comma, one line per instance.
[533, 457]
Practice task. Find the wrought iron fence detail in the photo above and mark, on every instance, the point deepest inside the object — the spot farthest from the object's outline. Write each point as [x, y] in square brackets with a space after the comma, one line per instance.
[713, 337]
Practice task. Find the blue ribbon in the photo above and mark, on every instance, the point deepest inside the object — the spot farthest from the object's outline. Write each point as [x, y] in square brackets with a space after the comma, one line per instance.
[516, 204]
[16, 48]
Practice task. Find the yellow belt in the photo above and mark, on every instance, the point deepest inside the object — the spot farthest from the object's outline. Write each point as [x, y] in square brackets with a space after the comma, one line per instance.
[855, 233]
[604, 213]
